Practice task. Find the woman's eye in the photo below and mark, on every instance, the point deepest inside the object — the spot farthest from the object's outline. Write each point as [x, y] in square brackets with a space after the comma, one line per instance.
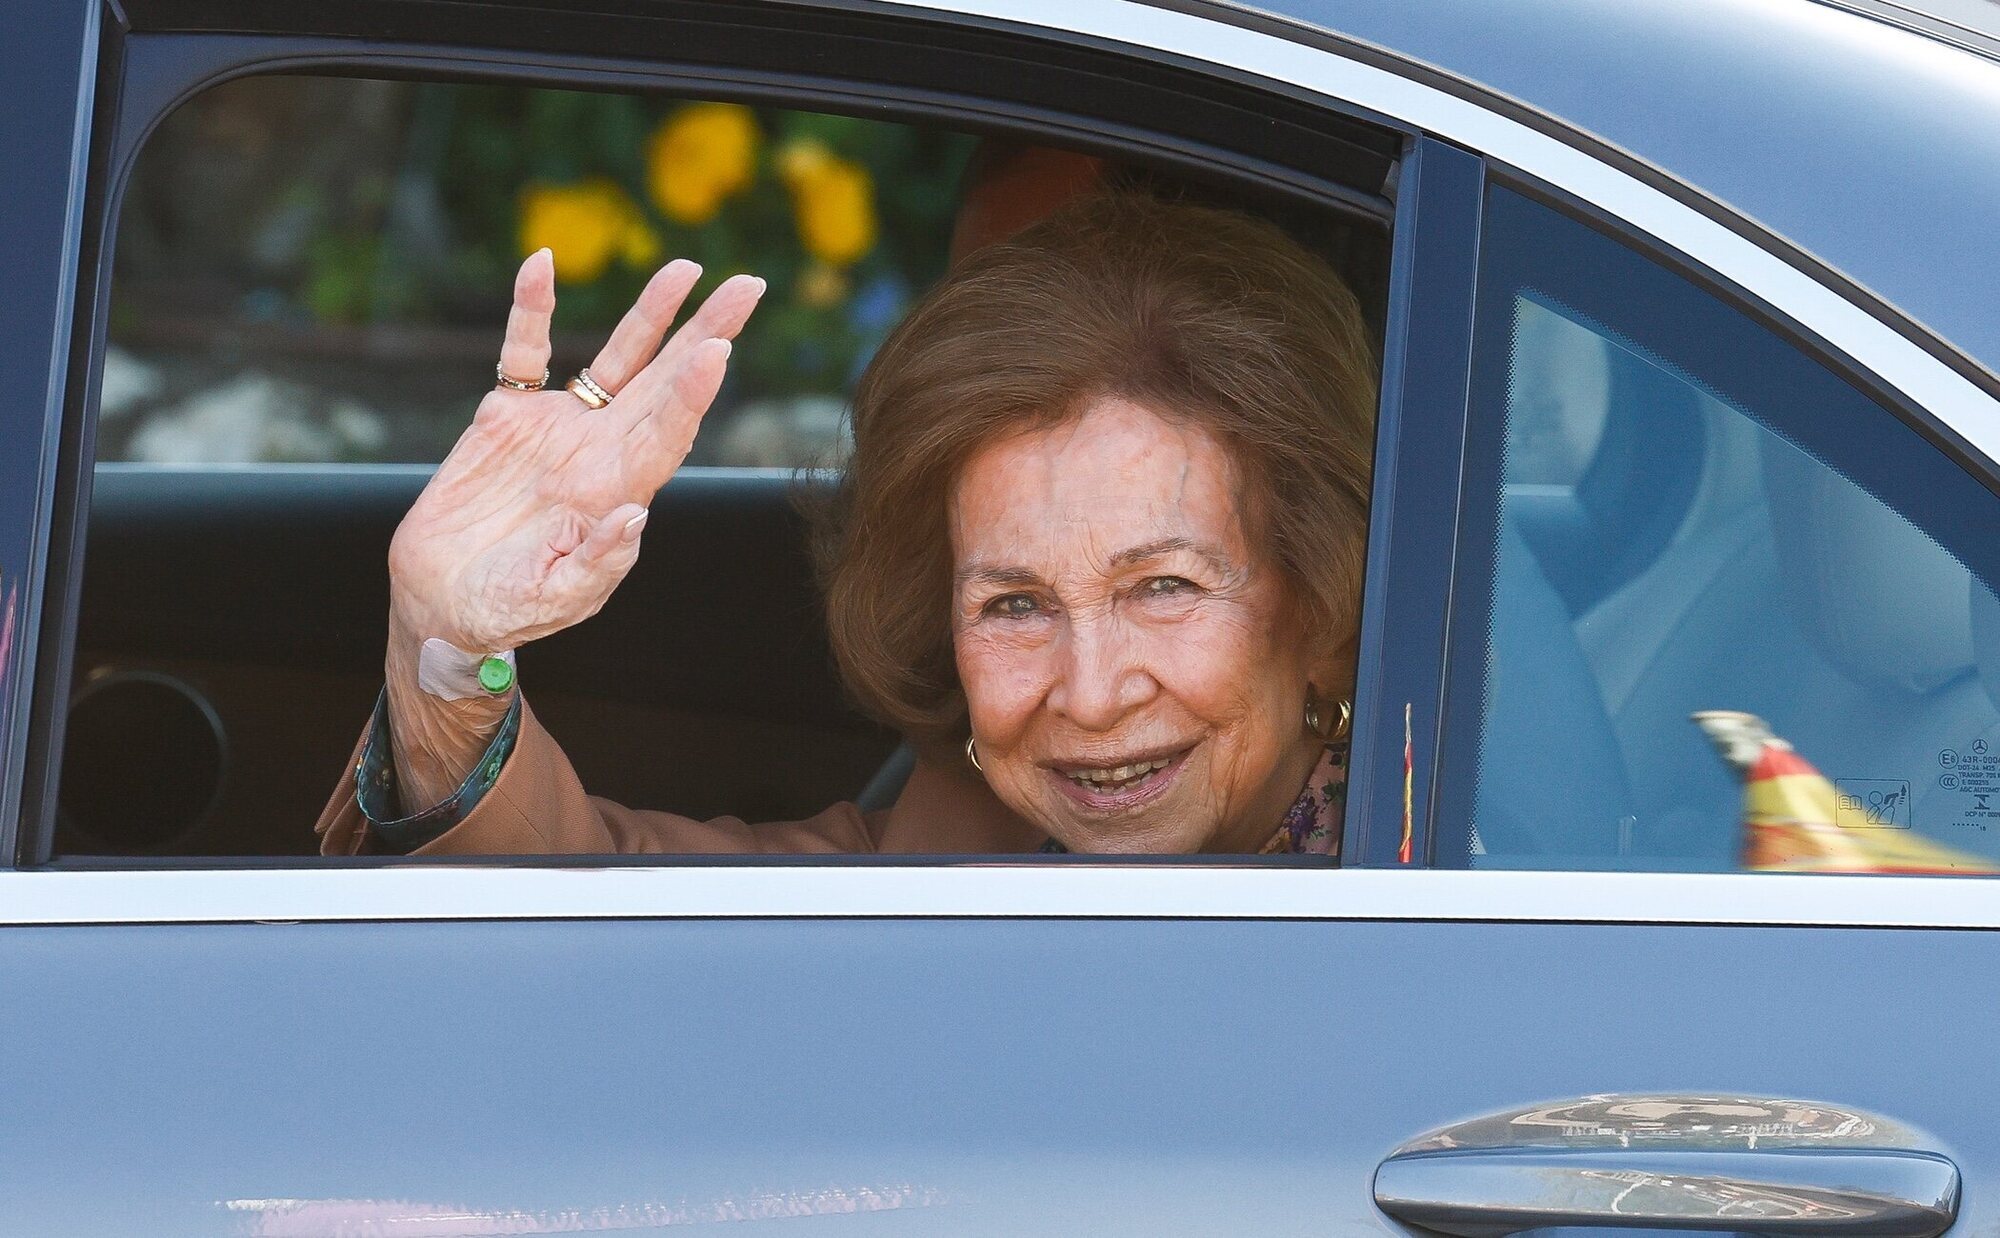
[1167, 586]
[1012, 606]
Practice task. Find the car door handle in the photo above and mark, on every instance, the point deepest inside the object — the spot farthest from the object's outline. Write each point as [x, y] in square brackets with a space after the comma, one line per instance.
[1692, 1179]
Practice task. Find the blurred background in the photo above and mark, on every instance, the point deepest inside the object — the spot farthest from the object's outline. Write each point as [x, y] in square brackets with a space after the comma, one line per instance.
[318, 269]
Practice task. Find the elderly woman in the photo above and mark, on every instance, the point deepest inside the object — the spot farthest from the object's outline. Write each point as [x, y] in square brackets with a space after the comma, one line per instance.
[1098, 548]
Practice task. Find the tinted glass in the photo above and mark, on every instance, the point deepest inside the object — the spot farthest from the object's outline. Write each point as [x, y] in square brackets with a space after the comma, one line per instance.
[1674, 510]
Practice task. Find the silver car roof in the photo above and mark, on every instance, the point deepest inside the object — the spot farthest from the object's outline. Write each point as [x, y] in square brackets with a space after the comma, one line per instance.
[1869, 139]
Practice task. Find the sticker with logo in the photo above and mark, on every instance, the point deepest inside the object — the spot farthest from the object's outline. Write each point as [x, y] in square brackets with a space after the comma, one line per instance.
[1871, 803]
[1970, 778]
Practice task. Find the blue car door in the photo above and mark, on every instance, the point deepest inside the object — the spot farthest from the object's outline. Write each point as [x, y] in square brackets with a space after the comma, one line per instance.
[1625, 475]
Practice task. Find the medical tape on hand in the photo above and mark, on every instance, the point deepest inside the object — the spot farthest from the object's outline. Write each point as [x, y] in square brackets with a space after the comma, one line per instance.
[450, 673]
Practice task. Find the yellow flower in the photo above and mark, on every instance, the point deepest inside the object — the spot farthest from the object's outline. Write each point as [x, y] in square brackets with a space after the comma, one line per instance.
[640, 246]
[820, 285]
[699, 157]
[834, 200]
[586, 225]
[801, 159]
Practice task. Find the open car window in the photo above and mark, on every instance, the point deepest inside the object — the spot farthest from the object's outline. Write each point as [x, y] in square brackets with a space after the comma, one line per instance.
[309, 279]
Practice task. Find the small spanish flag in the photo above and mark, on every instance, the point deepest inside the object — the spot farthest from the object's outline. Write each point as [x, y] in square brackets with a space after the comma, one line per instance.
[1789, 812]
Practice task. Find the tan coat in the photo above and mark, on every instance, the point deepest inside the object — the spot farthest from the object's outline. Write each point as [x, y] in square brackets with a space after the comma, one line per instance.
[537, 807]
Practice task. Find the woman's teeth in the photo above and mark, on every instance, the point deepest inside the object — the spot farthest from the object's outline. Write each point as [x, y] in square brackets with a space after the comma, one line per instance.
[1118, 777]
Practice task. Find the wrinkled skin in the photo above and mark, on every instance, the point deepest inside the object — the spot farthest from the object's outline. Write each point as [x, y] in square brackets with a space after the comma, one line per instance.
[536, 515]
[1109, 608]
[529, 523]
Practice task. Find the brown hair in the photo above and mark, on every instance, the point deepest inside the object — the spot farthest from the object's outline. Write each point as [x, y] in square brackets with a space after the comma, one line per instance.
[1200, 314]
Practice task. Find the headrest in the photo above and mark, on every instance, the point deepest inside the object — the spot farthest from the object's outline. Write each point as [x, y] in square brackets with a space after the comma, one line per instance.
[1605, 450]
[1888, 606]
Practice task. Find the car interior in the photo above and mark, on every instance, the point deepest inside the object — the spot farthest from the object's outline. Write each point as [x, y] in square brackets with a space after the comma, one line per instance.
[1662, 551]
[228, 643]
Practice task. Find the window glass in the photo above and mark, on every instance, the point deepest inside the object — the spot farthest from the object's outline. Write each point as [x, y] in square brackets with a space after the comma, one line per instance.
[315, 269]
[1689, 514]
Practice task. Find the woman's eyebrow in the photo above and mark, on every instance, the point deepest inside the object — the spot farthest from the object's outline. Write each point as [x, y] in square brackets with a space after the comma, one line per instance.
[986, 574]
[989, 574]
[1169, 545]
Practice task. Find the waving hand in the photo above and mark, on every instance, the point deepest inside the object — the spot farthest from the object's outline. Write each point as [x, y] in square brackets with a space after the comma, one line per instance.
[535, 516]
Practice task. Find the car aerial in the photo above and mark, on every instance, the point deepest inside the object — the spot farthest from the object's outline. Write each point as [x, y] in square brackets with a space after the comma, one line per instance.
[1688, 343]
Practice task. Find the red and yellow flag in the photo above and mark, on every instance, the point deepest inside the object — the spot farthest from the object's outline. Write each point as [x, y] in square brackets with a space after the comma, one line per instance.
[1789, 822]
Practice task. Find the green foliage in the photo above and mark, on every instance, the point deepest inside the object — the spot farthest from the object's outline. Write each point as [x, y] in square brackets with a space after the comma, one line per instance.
[492, 146]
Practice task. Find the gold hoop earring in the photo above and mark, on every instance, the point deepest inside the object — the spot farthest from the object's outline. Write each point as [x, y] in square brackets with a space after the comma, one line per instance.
[1312, 715]
[972, 755]
[1346, 723]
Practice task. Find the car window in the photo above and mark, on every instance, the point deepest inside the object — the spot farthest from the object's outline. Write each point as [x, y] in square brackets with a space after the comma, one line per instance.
[1678, 512]
[313, 273]
[312, 269]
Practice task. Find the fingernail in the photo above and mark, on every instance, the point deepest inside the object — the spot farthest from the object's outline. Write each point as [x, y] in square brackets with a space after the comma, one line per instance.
[727, 348]
[761, 285]
[634, 525]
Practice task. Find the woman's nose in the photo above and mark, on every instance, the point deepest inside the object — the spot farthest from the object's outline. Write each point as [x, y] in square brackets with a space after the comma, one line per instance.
[1102, 677]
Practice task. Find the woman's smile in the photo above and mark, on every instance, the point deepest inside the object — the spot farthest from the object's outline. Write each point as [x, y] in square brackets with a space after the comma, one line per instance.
[1123, 787]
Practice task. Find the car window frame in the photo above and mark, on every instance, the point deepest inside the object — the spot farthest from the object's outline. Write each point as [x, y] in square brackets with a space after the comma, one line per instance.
[150, 73]
[1413, 517]
[49, 127]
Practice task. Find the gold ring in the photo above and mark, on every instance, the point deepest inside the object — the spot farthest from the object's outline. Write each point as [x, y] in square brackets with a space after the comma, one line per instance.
[585, 388]
[502, 378]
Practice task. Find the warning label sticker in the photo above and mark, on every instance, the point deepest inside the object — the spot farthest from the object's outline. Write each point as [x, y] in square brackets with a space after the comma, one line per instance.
[1972, 777]
[1879, 803]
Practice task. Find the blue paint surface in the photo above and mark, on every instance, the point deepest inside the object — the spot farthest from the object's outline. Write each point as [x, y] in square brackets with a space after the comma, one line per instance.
[1016, 1077]
[1873, 148]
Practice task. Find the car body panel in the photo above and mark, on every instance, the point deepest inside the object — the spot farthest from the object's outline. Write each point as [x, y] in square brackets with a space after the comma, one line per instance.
[915, 1076]
[1871, 147]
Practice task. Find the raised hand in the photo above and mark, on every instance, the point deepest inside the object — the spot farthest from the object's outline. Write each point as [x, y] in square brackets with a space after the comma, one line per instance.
[535, 516]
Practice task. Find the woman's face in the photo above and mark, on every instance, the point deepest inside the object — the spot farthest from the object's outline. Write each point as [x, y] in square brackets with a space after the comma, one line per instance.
[1133, 681]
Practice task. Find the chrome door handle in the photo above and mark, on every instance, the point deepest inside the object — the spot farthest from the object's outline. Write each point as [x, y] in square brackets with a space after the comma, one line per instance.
[1487, 1192]
[1673, 1162]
